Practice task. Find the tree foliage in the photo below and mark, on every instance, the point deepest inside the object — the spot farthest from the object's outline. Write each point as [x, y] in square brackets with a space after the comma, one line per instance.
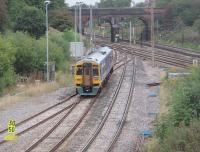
[31, 20]
[57, 4]
[196, 25]
[14, 9]
[179, 128]
[184, 105]
[188, 11]
[115, 3]
[7, 58]
[54, 5]
[31, 53]
[60, 19]
[28, 15]
[3, 16]
[35, 3]
[24, 52]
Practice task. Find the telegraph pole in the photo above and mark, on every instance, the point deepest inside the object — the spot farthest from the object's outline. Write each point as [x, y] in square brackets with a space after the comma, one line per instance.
[75, 28]
[152, 32]
[80, 22]
[104, 30]
[157, 33]
[130, 32]
[91, 27]
[47, 2]
[134, 42]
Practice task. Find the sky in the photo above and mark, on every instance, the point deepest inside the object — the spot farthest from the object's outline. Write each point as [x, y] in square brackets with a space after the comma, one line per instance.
[91, 2]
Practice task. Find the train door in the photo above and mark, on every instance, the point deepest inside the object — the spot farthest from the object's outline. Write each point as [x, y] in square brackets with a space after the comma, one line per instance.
[87, 77]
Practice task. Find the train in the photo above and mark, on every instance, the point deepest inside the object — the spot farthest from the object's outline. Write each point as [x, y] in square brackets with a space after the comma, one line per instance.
[93, 71]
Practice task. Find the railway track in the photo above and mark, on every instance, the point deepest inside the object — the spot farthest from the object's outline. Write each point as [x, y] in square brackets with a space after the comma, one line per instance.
[69, 107]
[166, 54]
[70, 131]
[175, 49]
[110, 108]
[160, 56]
[58, 124]
[29, 119]
[74, 127]
[122, 122]
[185, 51]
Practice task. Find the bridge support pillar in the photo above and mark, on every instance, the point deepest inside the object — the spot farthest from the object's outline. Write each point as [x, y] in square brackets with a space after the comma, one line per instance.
[114, 29]
[112, 34]
[147, 32]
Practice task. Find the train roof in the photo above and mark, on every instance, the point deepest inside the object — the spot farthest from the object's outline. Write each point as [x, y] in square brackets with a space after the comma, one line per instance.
[98, 55]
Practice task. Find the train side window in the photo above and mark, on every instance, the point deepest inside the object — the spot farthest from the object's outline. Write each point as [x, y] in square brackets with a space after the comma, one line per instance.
[95, 72]
[79, 71]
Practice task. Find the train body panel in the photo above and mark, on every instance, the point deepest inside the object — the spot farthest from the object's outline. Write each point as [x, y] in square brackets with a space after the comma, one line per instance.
[91, 72]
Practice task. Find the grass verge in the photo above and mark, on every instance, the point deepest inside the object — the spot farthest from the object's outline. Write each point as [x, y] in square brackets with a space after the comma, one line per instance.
[24, 92]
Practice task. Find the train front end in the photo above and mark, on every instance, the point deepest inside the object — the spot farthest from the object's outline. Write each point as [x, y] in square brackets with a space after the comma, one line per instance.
[87, 78]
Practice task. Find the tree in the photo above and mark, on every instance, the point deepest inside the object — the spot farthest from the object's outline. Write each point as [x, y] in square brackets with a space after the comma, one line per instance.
[55, 4]
[60, 19]
[115, 3]
[7, 58]
[2, 14]
[196, 25]
[35, 3]
[120, 3]
[186, 10]
[31, 20]
[141, 5]
[14, 9]
[25, 53]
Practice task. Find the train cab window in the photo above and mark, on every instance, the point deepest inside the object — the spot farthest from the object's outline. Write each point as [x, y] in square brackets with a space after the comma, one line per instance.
[95, 72]
[87, 71]
[79, 71]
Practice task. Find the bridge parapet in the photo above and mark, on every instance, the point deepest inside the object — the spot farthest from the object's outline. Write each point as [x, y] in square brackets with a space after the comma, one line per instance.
[121, 11]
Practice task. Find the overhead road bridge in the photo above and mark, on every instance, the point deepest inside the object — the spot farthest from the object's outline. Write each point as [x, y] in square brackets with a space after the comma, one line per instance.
[113, 15]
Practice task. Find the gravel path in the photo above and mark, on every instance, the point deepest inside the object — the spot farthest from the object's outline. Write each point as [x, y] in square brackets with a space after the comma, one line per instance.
[141, 111]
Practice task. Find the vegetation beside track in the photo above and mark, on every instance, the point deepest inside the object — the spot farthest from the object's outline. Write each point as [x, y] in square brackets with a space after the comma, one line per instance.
[181, 25]
[23, 42]
[23, 55]
[186, 37]
[178, 124]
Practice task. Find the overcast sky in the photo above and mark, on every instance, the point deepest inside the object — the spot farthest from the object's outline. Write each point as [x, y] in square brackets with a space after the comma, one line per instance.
[89, 2]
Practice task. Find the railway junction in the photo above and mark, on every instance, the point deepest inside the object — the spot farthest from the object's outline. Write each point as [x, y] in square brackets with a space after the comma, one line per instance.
[121, 116]
[123, 104]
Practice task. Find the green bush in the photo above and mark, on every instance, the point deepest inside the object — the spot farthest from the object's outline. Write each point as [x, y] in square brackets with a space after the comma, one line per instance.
[24, 55]
[182, 138]
[31, 53]
[7, 58]
[177, 130]
[186, 99]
